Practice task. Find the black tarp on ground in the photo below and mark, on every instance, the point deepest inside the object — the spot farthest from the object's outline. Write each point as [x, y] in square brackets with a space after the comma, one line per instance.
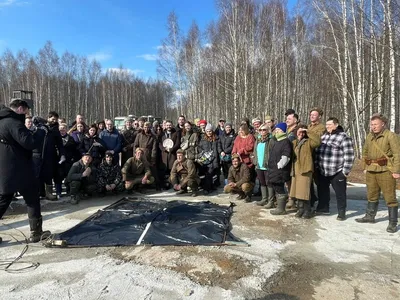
[141, 221]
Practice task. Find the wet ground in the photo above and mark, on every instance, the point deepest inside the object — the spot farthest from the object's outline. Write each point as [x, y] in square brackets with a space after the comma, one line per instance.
[287, 258]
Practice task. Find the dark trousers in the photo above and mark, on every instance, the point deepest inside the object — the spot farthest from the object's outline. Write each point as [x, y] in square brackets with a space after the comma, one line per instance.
[279, 188]
[225, 168]
[339, 184]
[30, 192]
[262, 176]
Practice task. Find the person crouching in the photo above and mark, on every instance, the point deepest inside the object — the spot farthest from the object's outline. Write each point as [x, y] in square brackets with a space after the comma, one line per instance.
[136, 172]
[239, 179]
[82, 178]
[109, 177]
[184, 174]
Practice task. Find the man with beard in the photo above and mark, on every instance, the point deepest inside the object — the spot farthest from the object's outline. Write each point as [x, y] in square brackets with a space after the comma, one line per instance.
[181, 125]
[168, 154]
[128, 139]
[54, 154]
[148, 142]
[239, 181]
[184, 175]
[16, 145]
[82, 178]
[109, 176]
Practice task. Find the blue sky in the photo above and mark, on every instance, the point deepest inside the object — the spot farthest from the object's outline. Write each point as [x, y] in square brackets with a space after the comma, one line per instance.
[112, 31]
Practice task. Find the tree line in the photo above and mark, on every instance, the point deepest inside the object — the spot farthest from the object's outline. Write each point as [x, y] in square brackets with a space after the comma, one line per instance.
[72, 84]
[257, 58]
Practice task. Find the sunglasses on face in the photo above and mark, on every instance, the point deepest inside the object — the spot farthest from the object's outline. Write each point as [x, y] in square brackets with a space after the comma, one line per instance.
[262, 129]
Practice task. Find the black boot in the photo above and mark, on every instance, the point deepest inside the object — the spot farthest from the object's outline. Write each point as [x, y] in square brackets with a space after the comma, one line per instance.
[300, 206]
[37, 233]
[393, 216]
[341, 215]
[247, 197]
[271, 198]
[280, 209]
[369, 217]
[307, 210]
[264, 196]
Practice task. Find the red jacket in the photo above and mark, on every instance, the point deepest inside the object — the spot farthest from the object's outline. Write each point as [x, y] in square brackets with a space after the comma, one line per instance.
[244, 147]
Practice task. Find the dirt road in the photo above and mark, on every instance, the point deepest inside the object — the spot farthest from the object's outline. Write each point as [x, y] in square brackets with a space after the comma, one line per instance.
[288, 258]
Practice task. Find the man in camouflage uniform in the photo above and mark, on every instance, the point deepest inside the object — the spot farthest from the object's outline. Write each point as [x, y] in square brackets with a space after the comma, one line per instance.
[184, 174]
[109, 176]
[136, 171]
[381, 161]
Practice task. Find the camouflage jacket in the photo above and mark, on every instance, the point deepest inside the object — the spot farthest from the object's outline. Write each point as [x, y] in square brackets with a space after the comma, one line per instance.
[108, 174]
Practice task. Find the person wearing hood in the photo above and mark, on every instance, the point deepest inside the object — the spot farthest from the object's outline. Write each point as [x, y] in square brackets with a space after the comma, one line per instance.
[109, 176]
[334, 160]
[168, 153]
[279, 166]
[16, 145]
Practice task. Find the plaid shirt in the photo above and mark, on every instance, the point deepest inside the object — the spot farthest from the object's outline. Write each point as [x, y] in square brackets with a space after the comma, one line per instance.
[335, 154]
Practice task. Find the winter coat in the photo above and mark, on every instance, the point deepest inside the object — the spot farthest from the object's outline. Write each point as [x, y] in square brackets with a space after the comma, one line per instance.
[182, 172]
[219, 131]
[268, 143]
[190, 139]
[97, 152]
[77, 169]
[54, 147]
[112, 141]
[239, 175]
[244, 147]
[148, 142]
[168, 158]
[78, 136]
[128, 140]
[279, 148]
[108, 174]
[206, 145]
[16, 145]
[134, 168]
[302, 158]
[226, 142]
[71, 149]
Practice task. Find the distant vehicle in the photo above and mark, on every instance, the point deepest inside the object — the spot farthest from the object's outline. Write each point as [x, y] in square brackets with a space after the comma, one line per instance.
[151, 119]
[119, 122]
[24, 95]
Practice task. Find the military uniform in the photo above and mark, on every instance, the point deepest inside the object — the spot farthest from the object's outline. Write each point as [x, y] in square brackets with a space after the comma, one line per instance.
[381, 159]
[109, 174]
[240, 176]
[134, 170]
[185, 174]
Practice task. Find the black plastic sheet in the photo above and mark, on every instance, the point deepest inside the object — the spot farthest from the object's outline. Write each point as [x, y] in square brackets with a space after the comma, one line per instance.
[144, 221]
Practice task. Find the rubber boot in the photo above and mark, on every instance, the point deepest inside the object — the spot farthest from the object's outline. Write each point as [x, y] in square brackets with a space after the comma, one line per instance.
[247, 197]
[369, 217]
[264, 196]
[307, 210]
[281, 200]
[37, 233]
[393, 216]
[290, 204]
[271, 198]
[300, 206]
[49, 193]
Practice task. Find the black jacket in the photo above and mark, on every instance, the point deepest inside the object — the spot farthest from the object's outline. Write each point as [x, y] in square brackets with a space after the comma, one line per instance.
[87, 144]
[226, 142]
[277, 150]
[16, 145]
[205, 145]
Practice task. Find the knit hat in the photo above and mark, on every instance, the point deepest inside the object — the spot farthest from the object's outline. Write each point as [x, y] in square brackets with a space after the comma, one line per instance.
[282, 126]
[209, 127]
[203, 122]
[228, 124]
[255, 120]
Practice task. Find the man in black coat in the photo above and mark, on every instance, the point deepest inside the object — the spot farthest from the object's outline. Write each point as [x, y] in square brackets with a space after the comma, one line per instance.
[17, 174]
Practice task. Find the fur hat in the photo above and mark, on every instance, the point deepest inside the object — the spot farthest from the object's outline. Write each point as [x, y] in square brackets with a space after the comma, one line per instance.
[282, 126]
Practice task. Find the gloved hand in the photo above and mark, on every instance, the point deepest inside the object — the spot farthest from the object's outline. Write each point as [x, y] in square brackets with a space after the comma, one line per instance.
[283, 162]
[63, 159]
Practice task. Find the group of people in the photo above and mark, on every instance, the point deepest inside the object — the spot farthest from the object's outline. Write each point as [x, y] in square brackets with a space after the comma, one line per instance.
[284, 158]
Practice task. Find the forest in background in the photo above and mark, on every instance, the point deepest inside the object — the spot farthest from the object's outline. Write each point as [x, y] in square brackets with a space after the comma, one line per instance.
[256, 59]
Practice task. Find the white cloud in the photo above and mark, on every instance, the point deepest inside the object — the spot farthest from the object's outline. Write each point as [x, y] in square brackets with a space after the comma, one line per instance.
[148, 56]
[125, 71]
[100, 56]
[5, 3]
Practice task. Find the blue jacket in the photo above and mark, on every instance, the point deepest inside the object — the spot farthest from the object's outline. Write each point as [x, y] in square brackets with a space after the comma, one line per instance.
[112, 140]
